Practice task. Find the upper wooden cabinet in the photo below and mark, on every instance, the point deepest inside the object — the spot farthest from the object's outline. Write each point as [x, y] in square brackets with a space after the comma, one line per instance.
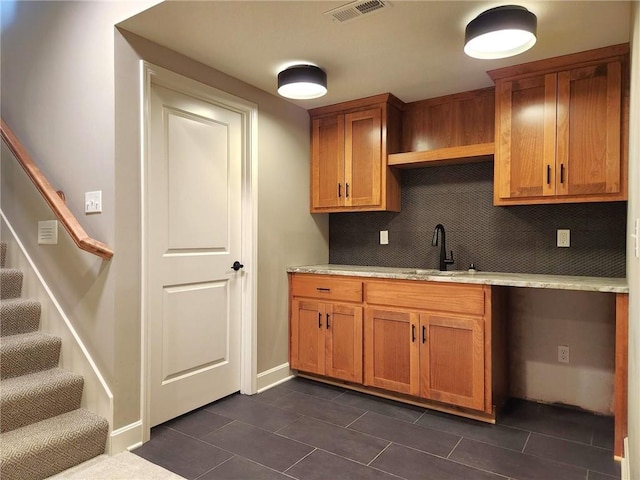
[349, 146]
[561, 129]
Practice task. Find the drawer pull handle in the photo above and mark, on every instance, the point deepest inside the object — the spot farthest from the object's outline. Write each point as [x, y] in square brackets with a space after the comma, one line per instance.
[319, 320]
[323, 289]
[424, 334]
[413, 333]
[328, 321]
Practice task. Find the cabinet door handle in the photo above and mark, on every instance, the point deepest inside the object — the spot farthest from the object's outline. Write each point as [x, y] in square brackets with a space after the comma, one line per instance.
[548, 174]
[424, 334]
[346, 189]
[562, 173]
[328, 321]
[319, 320]
[413, 333]
[339, 190]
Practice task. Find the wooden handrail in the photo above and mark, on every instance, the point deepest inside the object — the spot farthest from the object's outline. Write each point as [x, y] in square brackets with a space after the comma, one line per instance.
[57, 205]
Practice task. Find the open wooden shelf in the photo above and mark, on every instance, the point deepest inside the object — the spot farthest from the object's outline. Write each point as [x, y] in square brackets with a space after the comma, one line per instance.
[442, 156]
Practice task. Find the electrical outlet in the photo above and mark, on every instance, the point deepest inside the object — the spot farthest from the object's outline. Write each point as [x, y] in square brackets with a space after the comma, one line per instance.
[384, 237]
[564, 237]
[563, 353]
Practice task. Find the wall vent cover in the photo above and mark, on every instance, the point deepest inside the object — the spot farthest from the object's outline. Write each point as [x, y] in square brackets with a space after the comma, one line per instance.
[354, 10]
[48, 232]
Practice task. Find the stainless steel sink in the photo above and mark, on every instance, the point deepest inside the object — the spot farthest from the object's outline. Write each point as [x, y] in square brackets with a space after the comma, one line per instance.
[434, 272]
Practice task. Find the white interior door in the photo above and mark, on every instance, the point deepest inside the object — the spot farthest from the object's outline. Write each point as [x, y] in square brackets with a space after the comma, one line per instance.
[194, 198]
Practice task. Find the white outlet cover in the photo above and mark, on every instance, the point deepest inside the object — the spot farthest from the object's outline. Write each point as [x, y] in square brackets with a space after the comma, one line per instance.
[564, 238]
[384, 237]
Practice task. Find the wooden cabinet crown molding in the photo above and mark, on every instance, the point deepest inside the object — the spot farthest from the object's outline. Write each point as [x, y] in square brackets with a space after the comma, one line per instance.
[550, 65]
[355, 105]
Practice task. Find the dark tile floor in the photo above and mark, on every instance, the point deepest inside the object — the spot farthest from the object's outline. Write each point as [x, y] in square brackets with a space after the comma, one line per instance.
[311, 431]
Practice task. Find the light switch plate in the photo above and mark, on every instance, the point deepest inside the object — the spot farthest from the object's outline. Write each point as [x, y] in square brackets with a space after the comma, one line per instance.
[93, 202]
[384, 237]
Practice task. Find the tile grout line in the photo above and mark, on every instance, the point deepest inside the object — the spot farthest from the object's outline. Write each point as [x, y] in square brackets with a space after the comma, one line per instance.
[415, 422]
[381, 452]
[285, 471]
[220, 464]
[347, 426]
[454, 447]
[526, 442]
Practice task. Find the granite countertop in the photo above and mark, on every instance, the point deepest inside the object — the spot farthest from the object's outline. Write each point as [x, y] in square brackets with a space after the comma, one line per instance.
[561, 282]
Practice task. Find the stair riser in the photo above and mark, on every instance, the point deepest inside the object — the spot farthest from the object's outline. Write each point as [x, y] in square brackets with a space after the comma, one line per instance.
[29, 358]
[39, 404]
[19, 317]
[10, 283]
[3, 254]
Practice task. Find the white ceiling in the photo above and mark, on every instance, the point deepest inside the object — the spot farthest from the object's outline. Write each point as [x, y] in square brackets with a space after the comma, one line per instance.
[412, 49]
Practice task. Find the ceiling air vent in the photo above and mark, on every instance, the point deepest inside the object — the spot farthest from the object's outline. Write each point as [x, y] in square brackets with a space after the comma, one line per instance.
[354, 10]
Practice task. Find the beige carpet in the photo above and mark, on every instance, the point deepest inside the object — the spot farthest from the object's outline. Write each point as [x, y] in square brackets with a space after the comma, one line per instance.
[123, 466]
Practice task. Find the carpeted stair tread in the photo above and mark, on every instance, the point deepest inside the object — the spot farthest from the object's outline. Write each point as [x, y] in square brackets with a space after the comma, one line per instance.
[48, 447]
[10, 283]
[38, 396]
[19, 315]
[27, 353]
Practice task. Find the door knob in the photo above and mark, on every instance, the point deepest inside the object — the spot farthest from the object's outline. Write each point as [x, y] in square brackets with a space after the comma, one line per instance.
[237, 265]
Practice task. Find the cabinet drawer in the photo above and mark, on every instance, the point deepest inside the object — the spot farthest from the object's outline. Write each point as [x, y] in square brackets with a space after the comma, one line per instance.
[432, 296]
[327, 287]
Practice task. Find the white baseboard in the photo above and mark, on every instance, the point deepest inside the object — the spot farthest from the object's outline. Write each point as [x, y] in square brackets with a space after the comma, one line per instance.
[274, 376]
[125, 438]
[625, 474]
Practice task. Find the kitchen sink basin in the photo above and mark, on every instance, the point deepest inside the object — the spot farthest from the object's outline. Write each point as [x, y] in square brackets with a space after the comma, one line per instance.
[434, 272]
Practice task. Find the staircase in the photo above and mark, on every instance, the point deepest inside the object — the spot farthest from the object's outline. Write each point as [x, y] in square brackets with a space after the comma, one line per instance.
[43, 430]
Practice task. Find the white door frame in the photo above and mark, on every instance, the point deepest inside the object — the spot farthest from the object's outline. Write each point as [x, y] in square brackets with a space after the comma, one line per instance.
[152, 74]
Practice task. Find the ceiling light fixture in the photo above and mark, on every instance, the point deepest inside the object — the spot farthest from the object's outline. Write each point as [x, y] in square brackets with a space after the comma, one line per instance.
[302, 82]
[500, 32]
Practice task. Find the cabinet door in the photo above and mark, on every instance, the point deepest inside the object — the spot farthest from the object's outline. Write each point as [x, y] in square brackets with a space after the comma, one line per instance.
[391, 350]
[363, 158]
[525, 142]
[452, 359]
[307, 336]
[343, 324]
[589, 109]
[327, 162]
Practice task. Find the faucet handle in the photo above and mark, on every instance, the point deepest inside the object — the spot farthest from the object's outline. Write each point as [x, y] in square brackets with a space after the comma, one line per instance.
[449, 260]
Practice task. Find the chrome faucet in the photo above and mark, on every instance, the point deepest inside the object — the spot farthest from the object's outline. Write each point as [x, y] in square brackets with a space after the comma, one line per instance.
[444, 261]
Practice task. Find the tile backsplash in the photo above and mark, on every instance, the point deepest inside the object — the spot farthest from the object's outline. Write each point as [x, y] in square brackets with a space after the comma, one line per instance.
[519, 239]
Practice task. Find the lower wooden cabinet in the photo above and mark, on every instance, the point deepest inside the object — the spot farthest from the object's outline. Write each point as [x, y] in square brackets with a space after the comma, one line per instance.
[326, 338]
[427, 341]
[433, 356]
[452, 359]
[391, 350]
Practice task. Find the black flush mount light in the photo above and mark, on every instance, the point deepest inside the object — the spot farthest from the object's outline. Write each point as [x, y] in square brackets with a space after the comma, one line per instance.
[500, 32]
[302, 82]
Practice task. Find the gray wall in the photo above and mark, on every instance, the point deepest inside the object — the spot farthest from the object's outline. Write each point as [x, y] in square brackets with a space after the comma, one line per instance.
[500, 239]
[633, 262]
[70, 91]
